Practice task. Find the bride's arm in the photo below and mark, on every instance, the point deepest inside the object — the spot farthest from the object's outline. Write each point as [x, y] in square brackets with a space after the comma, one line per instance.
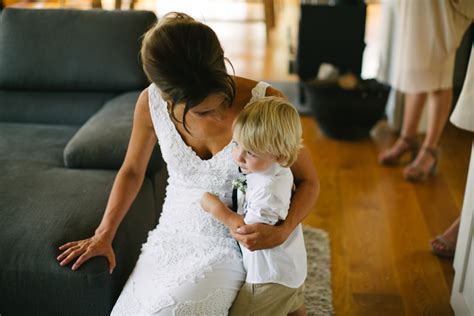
[262, 236]
[124, 190]
[132, 172]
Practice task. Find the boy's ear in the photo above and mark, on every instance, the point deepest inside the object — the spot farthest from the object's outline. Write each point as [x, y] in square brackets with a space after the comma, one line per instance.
[281, 160]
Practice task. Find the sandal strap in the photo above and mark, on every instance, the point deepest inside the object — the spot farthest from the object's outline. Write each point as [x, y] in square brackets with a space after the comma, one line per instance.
[415, 173]
[447, 252]
[433, 151]
[411, 141]
[448, 245]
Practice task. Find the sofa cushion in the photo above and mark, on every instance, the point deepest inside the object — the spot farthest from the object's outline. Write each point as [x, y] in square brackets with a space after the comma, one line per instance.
[101, 143]
[72, 50]
[43, 205]
[38, 143]
[46, 206]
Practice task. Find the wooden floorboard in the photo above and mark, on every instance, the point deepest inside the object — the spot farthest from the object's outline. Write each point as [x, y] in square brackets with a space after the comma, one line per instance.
[380, 225]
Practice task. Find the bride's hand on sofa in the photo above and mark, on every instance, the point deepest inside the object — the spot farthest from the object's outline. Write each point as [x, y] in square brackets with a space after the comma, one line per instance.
[85, 249]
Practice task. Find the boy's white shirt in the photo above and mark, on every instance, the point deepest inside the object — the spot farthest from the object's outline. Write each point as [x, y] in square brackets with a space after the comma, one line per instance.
[267, 200]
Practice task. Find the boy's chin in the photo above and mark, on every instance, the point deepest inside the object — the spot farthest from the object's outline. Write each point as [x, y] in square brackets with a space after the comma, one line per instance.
[244, 171]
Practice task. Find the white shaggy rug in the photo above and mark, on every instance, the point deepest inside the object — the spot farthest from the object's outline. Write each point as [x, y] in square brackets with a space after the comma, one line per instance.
[318, 296]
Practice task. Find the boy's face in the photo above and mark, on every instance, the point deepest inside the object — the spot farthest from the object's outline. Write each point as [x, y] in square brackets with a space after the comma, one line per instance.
[250, 162]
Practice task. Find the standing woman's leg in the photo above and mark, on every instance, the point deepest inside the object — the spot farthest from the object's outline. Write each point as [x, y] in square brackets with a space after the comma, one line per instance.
[438, 112]
[414, 105]
[406, 143]
[444, 245]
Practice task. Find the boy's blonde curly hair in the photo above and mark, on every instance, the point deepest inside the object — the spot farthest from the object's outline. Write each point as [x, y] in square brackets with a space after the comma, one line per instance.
[270, 125]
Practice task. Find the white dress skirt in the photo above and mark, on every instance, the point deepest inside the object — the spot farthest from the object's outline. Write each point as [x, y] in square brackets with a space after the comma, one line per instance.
[418, 44]
[190, 264]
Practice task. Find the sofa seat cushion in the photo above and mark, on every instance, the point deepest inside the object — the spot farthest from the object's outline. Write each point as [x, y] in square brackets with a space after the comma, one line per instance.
[102, 142]
[44, 205]
[38, 143]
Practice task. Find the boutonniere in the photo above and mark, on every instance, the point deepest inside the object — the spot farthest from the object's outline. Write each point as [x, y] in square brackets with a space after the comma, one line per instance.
[240, 183]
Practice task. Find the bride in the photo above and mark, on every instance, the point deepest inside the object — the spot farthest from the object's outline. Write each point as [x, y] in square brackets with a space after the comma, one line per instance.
[190, 263]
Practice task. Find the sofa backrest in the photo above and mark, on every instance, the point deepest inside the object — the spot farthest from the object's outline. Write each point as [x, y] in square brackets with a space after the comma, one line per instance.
[72, 50]
[60, 66]
[50, 107]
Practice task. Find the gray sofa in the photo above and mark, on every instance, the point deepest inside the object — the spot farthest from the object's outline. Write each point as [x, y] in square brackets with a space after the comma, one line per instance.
[69, 81]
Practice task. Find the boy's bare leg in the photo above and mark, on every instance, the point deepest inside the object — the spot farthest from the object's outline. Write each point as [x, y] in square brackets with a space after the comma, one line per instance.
[299, 312]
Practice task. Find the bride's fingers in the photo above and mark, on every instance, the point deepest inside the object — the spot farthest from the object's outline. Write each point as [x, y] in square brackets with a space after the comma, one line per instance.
[246, 229]
[67, 252]
[67, 245]
[72, 255]
[84, 257]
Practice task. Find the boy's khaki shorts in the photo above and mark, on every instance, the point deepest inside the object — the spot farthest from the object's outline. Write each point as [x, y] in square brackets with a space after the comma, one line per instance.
[267, 299]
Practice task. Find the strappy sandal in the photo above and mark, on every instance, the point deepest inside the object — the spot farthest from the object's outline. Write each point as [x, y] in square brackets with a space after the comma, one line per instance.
[414, 173]
[393, 157]
[448, 248]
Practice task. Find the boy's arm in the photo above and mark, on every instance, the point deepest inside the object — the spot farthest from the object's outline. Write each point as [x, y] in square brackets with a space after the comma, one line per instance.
[261, 236]
[211, 204]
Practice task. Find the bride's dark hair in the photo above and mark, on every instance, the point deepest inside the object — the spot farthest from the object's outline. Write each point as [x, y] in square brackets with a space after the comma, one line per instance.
[185, 60]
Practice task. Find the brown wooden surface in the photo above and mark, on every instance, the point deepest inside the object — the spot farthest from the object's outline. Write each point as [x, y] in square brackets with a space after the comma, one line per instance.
[379, 224]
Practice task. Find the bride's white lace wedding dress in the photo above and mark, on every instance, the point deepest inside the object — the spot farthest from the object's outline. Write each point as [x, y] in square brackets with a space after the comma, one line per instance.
[189, 265]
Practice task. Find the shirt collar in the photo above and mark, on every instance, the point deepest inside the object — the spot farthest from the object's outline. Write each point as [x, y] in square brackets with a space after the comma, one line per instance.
[270, 172]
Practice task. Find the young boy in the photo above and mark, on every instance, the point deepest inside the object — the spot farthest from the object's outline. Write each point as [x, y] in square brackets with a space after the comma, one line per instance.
[267, 136]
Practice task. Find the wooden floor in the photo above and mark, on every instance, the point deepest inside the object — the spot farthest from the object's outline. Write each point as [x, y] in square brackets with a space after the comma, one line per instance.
[379, 225]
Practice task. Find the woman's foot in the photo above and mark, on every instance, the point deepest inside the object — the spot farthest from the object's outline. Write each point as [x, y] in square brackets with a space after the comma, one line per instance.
[444, 245]
[424, 166]
[403, 146]
[443, 248]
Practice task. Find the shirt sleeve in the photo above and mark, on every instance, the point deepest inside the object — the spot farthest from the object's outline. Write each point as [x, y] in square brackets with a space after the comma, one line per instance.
[265, 207]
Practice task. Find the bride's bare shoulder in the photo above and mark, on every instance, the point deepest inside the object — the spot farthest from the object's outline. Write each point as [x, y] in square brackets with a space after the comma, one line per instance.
[142, 109]
[143, 102]
[243, 92]
[244, 84]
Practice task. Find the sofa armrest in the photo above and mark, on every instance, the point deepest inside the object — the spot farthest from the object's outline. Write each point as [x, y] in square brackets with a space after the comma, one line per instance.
[101, 143]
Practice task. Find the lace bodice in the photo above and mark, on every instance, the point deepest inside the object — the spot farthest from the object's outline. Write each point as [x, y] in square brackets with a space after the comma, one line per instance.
[182, 218]
[189, 175]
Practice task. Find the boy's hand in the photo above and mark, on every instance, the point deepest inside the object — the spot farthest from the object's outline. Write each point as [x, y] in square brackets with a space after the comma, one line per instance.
[209, 202]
